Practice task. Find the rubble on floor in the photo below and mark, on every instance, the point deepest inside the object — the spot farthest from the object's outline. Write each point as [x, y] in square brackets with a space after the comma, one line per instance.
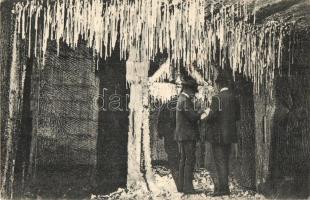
[166, 189]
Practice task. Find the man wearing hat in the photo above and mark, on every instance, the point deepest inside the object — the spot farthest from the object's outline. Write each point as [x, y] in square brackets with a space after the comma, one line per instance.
[186, 134]
[222, 118]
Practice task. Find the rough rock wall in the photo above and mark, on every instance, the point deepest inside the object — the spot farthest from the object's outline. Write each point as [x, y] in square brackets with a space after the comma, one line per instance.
[282, 127]
[66, 122]
[13, 67]
[264, 116]
[291, 129]
[244, 167]
[5, 62]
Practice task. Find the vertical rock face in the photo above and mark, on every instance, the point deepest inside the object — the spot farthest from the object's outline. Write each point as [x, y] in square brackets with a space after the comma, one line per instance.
[65, 121]
[14, 88]
[282, 126]
[5, 62]
[264, 114]
[245, 155]
[67, 118]
[291, 125]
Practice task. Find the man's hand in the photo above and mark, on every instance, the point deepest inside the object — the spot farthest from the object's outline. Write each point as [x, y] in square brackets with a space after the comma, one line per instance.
[205, 114]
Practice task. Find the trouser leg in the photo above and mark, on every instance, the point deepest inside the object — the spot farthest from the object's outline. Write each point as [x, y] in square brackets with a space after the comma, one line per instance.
[227, 150]
[218, 165]
[171, 148]
[213, 167]
[181, 167]
[189, 148]
[221, 159]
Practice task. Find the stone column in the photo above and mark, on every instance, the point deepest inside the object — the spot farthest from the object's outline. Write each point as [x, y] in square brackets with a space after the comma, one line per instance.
[139, 151]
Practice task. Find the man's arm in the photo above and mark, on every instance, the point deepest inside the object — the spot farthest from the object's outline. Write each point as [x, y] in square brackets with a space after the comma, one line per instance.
[237, 106]
[190, 112]
[214, 109]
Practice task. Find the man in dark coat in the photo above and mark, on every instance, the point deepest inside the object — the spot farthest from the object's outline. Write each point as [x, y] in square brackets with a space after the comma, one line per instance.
[222, 131]
[186, 134]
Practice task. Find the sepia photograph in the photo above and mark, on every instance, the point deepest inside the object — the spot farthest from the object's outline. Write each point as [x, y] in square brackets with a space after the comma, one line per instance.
[154, 99]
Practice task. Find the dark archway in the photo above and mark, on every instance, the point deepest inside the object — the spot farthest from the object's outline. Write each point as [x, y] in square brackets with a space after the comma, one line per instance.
[113, 125]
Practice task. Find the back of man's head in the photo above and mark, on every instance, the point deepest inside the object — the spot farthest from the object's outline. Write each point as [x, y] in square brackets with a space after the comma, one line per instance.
[190, 85]
[222, 81]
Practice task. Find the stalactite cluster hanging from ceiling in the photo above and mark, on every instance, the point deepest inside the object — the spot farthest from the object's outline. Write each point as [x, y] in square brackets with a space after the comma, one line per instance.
[184, 28]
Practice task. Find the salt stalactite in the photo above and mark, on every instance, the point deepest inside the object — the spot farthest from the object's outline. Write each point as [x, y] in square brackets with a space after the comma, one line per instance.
[163, 92]
[151, 26]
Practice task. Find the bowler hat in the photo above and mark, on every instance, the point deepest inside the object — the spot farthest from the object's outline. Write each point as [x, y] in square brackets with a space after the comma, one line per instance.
[189, 83]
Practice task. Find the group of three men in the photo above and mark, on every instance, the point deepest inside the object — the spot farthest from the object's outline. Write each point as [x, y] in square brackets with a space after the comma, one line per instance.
[221, 120]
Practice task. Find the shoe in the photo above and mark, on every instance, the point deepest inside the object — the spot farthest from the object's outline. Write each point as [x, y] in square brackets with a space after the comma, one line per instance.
[180, 190]
[190, 192]
[220, 193]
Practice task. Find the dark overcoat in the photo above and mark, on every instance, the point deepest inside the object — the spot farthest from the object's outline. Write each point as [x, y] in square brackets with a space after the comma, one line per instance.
[221, 121]
[187, 117]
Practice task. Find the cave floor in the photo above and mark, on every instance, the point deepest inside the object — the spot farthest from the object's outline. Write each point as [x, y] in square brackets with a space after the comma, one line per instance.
[166, 189]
